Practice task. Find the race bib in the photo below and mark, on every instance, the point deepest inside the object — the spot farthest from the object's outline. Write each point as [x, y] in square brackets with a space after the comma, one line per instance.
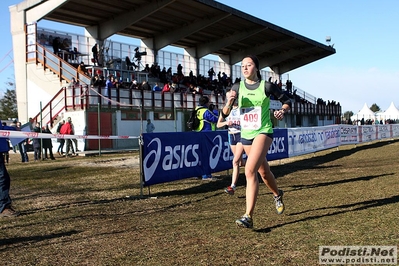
[251, 118]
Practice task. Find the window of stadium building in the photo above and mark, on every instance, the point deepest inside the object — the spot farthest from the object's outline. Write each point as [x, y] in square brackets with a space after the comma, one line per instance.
[163, 116]
[131, 116]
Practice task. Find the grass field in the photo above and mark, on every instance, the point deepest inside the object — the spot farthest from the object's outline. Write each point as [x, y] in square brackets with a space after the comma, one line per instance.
[87, 211]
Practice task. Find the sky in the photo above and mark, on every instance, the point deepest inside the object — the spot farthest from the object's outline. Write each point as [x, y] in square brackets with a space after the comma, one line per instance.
[364, 69]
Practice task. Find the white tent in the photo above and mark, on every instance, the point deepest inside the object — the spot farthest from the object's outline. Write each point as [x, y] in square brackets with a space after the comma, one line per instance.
[391, 113]
[365, 113]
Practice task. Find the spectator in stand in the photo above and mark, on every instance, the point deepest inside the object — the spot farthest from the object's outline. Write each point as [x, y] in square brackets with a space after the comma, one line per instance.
[82, 69]
[191, 88]
[94, 50]
[166, 87]
[134, 86]
[162, 76]
[211, 73]
[102, 81]
[155, 70]
[224, 80]
[74, 53]
[72, 84]
[116, 81]
[169, 73]
[156, 87]
[109, 84]
[65, 45]
[145, 86]
[95, 81]
[180, 70]
[288, 86]
[158, 71]
[198, 90]
[56, 45]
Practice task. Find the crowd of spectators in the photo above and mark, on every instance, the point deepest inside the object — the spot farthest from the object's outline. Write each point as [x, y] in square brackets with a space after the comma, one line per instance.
[171, 82]
[167, 81]
[361, 122]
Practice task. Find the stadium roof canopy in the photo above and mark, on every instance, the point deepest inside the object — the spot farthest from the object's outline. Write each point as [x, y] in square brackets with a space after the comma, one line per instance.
[201, 27]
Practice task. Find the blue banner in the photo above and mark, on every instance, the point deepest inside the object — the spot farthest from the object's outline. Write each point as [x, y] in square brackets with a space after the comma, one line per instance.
[279, 148]
[173, 156]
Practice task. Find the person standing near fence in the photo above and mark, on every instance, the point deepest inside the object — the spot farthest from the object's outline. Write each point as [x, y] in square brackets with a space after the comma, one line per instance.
[5, 201]
[22, 145]
[66, 129]
[207, 122]
[150, 126]
[47, 145]
[37, 144]
[60, 149]
[253, 96]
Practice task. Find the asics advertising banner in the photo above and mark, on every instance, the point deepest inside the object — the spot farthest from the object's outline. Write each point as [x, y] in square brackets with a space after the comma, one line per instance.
[279, 148]
[173, 156]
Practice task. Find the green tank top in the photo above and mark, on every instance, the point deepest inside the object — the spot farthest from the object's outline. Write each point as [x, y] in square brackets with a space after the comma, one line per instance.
[254, 108]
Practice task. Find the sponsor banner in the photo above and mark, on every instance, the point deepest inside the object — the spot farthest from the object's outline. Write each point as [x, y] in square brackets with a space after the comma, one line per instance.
[367, 133]
[383, 131]
[279, 148]
[394, 130]
[177, 155]
[173, 156]
[276, 105]
[311, 139]
[330, 136]
[349, 134]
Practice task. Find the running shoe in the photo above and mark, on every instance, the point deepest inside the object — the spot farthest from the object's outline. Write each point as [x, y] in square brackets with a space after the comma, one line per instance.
[279, 202]
[230, 190]
[245, 221]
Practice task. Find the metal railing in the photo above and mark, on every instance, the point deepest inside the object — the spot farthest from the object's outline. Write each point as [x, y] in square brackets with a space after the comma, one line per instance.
[84, 96]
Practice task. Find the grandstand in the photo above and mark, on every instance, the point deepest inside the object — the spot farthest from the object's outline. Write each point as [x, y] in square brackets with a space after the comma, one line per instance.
[43, 77]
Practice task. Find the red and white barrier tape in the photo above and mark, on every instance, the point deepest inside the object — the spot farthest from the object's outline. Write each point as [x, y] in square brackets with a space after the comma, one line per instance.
[34, 135]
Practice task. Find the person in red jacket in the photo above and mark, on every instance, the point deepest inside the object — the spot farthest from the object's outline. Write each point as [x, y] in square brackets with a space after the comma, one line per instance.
[66, 129]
